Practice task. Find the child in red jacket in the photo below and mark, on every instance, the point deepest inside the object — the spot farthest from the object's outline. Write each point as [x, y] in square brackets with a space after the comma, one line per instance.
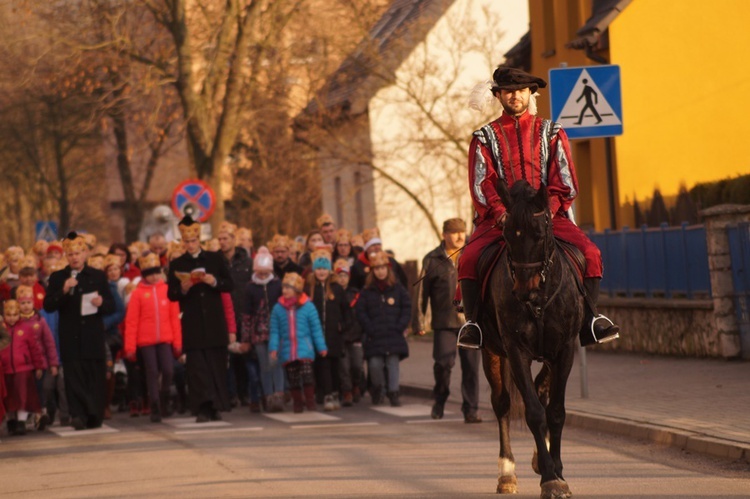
[21, 361]
[152, 325]
[25, 295]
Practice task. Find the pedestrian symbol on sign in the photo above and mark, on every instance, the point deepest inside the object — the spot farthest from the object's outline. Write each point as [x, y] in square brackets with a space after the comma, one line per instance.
[586, 104]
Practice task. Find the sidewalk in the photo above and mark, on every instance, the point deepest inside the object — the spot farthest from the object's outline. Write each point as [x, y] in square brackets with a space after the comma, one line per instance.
[700, 405]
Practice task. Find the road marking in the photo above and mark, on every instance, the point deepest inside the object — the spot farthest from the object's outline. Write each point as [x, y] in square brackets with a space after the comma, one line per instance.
[208, 424]
[302, 417]
[407, 411]
[67, 431]
[331, 425]
[221, 430]
[422, 421]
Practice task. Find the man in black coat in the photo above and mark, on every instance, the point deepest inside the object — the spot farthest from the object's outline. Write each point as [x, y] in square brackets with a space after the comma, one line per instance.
[438, 289]
[82, 297]
[196, 280]
[280, 247]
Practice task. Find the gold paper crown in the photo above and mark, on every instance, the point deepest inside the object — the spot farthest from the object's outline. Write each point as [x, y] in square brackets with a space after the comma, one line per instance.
[227, 228]
[74, 243]
[294, 280]
[55, 265]
[11, 307]
[192, 231]
[378, 258]
[343, 236]
[175, 249]
[14, 253]
[370, 234]
[24, 292]
[357, 241]
[324, 219]
[90, 240]
[149, 261]
[29, 261]
[96, 262]
[40, 247]
[320, 252]
[244, 232]
[341, 265]
[110, 260]
[279, 241]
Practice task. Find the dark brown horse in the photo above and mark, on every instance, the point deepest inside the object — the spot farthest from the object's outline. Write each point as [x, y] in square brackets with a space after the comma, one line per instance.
[533, 310]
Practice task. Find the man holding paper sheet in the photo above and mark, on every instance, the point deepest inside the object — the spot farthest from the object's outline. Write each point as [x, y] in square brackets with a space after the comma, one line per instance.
[196, 280]
[82, 296]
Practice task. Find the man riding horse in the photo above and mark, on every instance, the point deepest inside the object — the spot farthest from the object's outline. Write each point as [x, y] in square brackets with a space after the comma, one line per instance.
[520, 145]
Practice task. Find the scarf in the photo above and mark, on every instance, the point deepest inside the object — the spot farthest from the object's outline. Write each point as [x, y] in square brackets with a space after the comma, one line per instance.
[262, 282]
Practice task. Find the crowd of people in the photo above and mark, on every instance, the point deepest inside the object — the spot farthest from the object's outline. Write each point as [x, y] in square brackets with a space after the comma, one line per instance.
[200, 327]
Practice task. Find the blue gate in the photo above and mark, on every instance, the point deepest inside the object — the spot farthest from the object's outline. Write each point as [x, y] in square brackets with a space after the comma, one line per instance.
[739, 250]
[666, 261]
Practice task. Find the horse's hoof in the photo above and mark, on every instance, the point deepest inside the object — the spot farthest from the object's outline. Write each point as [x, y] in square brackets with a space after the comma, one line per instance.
[555, 489]
[507, 485]
[535, 463]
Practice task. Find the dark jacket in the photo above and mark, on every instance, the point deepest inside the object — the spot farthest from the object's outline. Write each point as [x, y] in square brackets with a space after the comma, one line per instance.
[241, 269]
[384, 316]
[353, 332]
[361, 268]
[290, 266]
[81, 337]
[256, 313]
[333, 311]
[438, 288]
[203, 321]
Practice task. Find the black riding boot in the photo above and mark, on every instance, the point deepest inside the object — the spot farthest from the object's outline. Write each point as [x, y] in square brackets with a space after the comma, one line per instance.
[470, 334]
[596, 327]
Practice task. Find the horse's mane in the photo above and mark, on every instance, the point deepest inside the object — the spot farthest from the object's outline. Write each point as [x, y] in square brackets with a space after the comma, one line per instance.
[522, 196]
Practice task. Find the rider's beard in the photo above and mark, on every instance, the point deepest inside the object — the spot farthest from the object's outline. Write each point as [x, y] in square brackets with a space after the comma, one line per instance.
[515, 111]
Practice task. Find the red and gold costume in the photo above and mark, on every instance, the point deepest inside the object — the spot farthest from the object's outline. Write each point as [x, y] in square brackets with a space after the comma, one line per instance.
[536, 150]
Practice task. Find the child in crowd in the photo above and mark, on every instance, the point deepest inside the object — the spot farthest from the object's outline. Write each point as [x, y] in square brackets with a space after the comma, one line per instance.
[263, 292]
[152, 325]
[343, 248]
[333, 309]
[46, 342]
[29, 276]
[384, 310]
[295, 336]
[22, 362]
[352, 359]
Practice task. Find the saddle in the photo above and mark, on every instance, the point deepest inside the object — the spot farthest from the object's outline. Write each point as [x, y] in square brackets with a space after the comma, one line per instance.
[493, 251]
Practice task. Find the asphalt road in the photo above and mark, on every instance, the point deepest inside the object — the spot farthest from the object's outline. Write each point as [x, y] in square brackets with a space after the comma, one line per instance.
[358, 452]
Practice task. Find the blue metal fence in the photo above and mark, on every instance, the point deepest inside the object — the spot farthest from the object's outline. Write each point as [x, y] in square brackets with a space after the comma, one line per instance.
[739, 250]
[664, 261]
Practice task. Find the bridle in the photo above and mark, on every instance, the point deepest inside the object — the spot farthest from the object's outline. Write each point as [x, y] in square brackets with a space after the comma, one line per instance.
[544, 264]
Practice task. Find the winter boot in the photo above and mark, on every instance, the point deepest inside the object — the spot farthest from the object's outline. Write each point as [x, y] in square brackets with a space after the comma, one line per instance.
[110, 394]
[310, 397]
[356, 394]
[596, 327]
[393, 397]
[155, 413]
[277, 402]
[336, 401]
[135, 410]
[145, 407]
[165, 403]
[470, 334]
[348, 399]
[297, 402]
[328, 404]
[376, 394]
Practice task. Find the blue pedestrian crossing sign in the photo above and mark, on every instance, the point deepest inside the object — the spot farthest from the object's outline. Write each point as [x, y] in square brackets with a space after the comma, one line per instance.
[587, 101]
[46, 230]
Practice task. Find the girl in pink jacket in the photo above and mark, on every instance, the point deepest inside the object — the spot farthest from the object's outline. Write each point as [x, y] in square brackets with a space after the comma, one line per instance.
[152, 326]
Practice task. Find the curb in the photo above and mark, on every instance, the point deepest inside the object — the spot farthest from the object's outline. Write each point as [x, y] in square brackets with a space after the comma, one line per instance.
[673, 437]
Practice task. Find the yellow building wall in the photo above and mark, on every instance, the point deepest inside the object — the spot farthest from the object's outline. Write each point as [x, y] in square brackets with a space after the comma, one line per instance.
[685, 91]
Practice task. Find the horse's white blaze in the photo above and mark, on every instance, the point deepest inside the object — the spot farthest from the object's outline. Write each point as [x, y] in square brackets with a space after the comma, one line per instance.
[506, 467]
[547, 440]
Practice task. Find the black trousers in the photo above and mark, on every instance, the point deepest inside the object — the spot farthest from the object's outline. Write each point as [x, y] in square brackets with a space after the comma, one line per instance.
[207, 379]
[444, 355]
[85, 387]
[157, 359]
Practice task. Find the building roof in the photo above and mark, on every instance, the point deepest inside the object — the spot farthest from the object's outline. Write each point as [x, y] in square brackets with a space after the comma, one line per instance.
[403, 26]
[603, 13]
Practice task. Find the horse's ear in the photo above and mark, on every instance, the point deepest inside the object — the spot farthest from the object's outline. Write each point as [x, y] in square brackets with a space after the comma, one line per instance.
[541, 196]
[502, 190]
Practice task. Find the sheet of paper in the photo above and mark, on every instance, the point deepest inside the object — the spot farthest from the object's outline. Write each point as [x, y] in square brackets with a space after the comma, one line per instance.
[87, 308]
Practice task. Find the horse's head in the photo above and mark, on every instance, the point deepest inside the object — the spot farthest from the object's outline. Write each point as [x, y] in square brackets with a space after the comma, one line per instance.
[528, 235]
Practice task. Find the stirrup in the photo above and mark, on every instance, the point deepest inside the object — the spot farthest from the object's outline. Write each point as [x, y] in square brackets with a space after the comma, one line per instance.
[471, 346]
[608, 338]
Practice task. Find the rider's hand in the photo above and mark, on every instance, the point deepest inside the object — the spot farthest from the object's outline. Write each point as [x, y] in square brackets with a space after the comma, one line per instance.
[501, 219]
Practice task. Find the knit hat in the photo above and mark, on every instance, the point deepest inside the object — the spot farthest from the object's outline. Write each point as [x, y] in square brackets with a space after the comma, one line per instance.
[370, 237]
[343, 236]
[96, 262]
[279, 241]
[227, 228]
[189, 228]
[342, 265]
[55, 247]
[325, 219]
[321, 258]
[263, 260]
[74, 242]
[110, 260]
[24, 293]
[379, 258]
[295, 281]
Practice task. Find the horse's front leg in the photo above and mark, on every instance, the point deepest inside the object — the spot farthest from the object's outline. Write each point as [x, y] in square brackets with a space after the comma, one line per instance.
[497, 371]
[552, 487]
[556, 407]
